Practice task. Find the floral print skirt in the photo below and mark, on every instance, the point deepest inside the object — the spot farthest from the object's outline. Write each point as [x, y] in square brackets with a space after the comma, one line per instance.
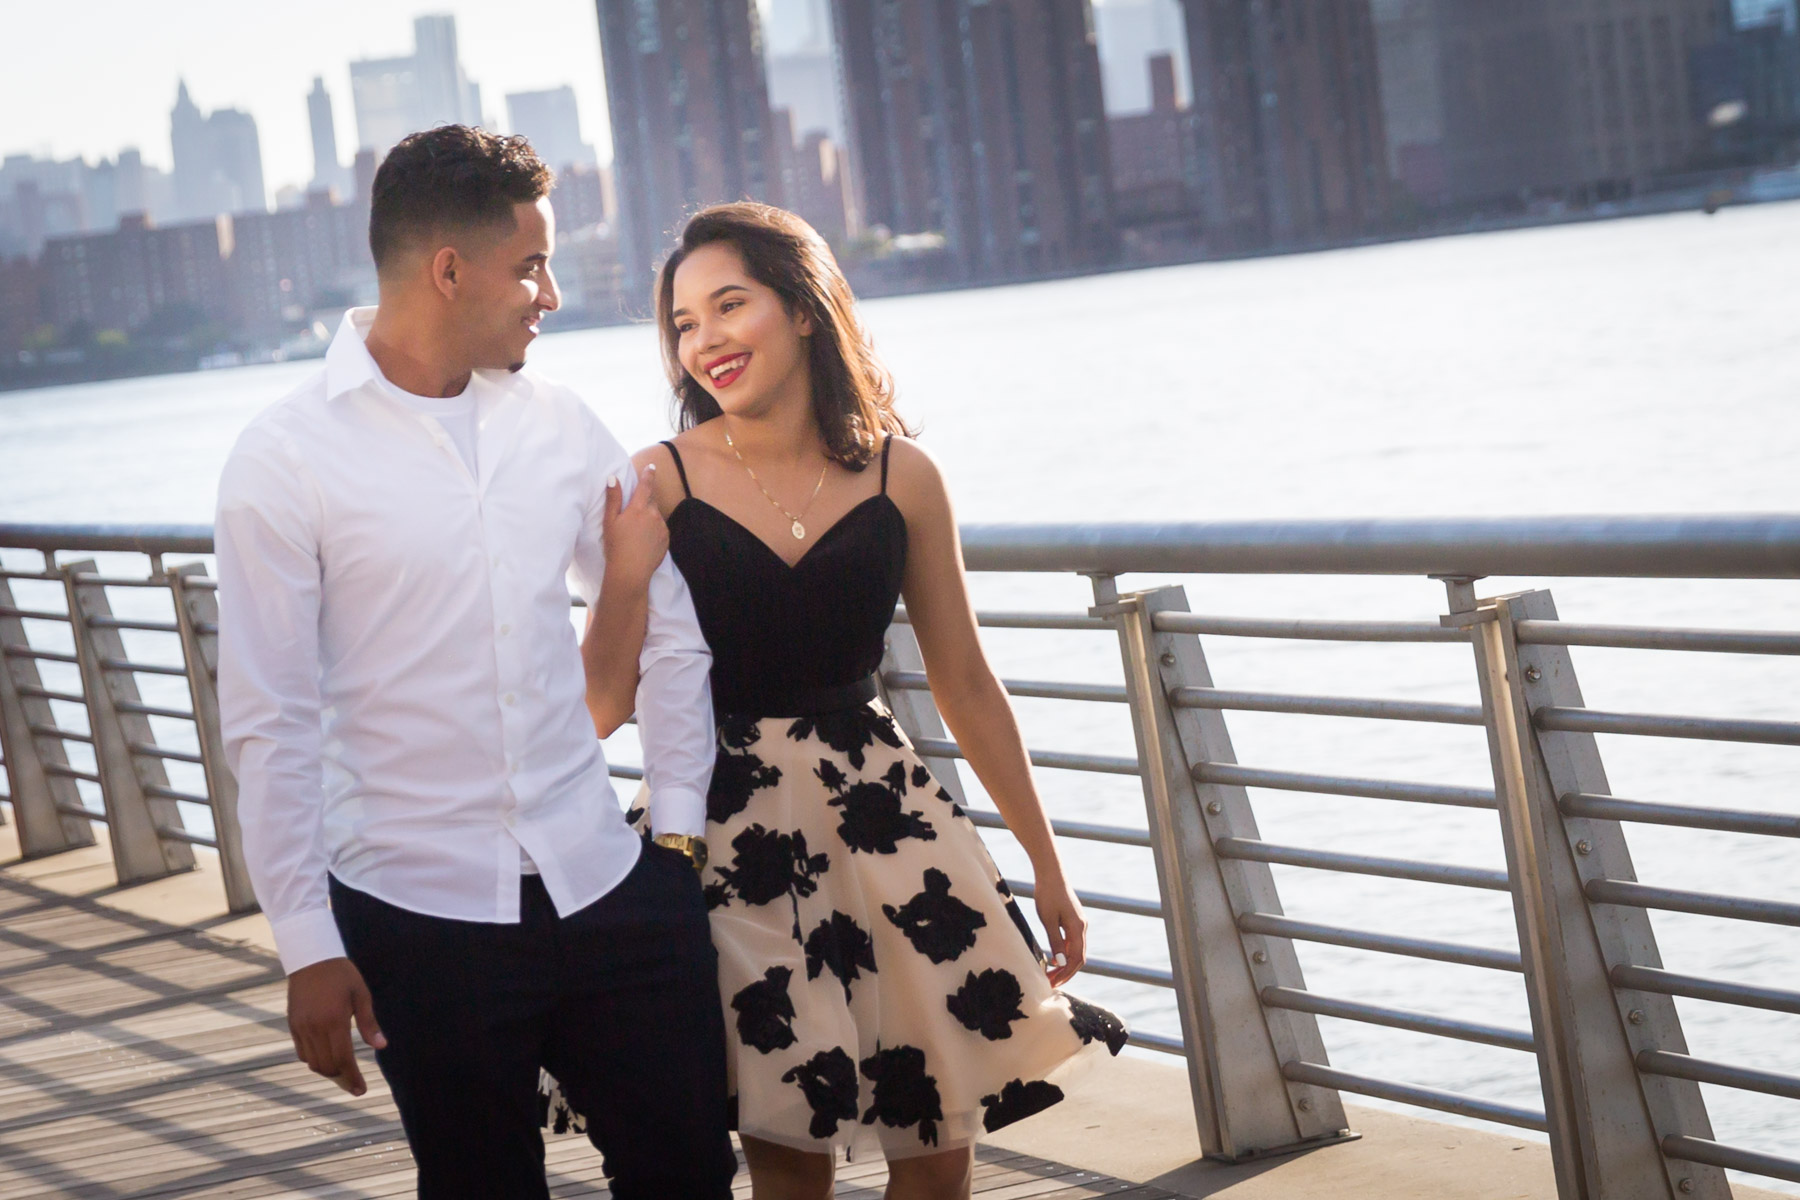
[882, 989]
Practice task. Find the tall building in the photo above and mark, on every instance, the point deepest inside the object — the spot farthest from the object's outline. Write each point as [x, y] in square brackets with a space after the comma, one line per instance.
[550, 121]
[689, 103]
[138, 275]
[802, 75]
[21, 302]
[328, 169]
[982, 121]
[1155, 168]
[218, 161]
[1545, 97]
[397, 96]
[1287, 113]
[285, 265]
[1412, 96]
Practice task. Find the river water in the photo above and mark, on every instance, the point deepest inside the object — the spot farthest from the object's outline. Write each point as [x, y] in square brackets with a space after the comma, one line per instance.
[1649, 365]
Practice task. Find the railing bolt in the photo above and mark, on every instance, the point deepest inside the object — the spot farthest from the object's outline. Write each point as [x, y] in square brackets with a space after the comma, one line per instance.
[1584, 847]
[1533, 674]
[1685, 1185]
[1168, 658]
[1304, 1104]
[1261, 956]
[1214, 807]
[1635, 1016]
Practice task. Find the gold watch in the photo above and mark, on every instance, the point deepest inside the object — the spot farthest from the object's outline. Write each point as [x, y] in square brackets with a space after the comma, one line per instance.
[688, 844]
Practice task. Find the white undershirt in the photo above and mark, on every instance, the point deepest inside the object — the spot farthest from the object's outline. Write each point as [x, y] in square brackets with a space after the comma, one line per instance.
[458, 417]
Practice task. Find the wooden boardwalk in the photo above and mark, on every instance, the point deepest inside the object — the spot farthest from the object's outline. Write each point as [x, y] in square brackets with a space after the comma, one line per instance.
[142, 1059]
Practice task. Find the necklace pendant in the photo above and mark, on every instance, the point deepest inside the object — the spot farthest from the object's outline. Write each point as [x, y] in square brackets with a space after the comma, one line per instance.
[799, 532]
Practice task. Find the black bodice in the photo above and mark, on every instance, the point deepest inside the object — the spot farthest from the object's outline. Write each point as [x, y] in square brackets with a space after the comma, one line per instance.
[789, 641]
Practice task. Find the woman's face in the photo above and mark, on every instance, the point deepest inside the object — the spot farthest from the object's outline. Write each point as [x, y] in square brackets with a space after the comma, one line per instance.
[735, 336]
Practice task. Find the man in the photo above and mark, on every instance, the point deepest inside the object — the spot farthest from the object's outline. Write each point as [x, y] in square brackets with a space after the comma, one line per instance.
[426, 812]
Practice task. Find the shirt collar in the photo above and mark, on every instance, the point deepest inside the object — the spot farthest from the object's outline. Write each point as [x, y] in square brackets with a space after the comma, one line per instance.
[349, 365]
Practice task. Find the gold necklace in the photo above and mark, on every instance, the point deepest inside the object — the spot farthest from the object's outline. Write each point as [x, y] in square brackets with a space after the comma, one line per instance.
[798, 529]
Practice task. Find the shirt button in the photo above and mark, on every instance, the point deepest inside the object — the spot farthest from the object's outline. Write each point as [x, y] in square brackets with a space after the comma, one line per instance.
[505, 629]
[509, 698]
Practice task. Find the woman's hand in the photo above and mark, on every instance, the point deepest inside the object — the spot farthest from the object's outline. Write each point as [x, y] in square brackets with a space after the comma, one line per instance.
[1066, 924]
[633, 535]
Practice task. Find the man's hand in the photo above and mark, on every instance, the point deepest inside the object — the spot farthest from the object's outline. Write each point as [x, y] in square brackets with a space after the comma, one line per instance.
[322, 1001]
[633, 535]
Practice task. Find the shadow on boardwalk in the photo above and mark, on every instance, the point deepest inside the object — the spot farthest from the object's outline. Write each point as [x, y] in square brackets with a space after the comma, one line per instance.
[140, 1059]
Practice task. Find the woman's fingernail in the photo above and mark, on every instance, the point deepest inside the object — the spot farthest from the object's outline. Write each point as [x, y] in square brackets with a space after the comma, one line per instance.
[1062, 960]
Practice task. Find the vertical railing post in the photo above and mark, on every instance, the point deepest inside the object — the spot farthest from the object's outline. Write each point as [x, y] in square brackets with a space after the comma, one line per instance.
[1606, 1119]
[197, 617]
[914, 709]
[41, 799]
[1244, 1104]
[135, 817]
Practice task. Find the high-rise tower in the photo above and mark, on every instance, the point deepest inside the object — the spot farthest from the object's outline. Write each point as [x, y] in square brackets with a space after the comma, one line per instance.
[328, 172]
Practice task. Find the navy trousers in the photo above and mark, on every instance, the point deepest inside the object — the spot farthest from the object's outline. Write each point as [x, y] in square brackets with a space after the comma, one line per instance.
[619, 1001]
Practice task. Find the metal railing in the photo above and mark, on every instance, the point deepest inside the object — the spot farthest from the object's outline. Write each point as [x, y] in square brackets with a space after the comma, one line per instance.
[1622, 1105]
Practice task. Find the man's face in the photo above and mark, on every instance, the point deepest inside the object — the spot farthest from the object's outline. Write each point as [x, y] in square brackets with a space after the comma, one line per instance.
[504, 287]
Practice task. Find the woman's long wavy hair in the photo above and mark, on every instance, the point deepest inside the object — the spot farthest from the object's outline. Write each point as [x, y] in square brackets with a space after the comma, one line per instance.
[852, 392]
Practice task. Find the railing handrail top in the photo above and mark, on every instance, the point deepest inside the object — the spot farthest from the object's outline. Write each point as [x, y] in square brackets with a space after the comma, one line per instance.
[1704, 546]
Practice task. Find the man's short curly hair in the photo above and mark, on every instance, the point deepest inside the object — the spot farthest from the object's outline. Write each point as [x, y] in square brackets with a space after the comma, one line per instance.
[449, 179]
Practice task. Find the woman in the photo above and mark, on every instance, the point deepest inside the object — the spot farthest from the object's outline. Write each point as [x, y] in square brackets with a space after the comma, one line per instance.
[881, 986]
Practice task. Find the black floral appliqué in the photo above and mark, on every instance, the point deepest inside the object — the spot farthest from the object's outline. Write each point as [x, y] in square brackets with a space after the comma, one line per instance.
[956, 810]
[849, 732]
[735, 778]
[938, 925]
[1093, 1023]
[633, 815]
[765, 1012]
[903, 1094]
[874, 817]
[988, 1003]
[1018, 919]
[717, 893]
[1016, 1101]
[842, 947]
[767, 864]
[828, 1081]
[739, 731]
[920, 776]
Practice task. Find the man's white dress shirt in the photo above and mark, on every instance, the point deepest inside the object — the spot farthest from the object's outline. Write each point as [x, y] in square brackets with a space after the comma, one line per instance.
[400, 683]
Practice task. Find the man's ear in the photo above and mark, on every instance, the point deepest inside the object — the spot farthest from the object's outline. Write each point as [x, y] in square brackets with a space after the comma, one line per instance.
[445, 265]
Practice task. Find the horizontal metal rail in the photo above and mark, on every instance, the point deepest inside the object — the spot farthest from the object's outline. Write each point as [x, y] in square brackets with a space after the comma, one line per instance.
[1731, 1158]
[175, 834]
[1130, 973]
[39, 576]
[1233, 774]
[127, 667]
[1649, 637]
[1271, 925]
[1325, 706]
[33, 614]
[1157, 1041]
[1408, 1093]
[1724, 820]
[12, 651]
[1695, 987]
[1130, 905]
[68, 772]
[56, 731]
[1306, 630]
[1105, 764]
[1705, 904]
[76, 810]
[134, 623]
[1682, 1066]
[1111, 693]
[169, 793]
[1298, 1000]
[618, 771]
[43, 693]
[1027, 620]
[152, 710]
[147, 750]
[1712, 729]
[89, 579]
[1249, 850]
[1118, 835]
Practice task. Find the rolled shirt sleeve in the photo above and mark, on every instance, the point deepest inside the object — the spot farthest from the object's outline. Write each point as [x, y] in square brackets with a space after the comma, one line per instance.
[674, 695]
[266, 538]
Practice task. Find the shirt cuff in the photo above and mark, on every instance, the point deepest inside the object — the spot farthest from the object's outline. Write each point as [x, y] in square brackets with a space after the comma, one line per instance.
[306, 938]
[678, 810]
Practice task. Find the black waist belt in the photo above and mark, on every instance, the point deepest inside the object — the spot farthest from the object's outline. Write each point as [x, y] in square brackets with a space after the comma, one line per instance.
[792, 702]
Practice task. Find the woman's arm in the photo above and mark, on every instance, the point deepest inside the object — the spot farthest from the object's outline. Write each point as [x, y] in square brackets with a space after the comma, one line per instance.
[970, 697]
[635, 540]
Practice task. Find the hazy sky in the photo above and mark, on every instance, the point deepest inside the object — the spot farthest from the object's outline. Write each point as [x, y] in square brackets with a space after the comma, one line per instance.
[89, 77]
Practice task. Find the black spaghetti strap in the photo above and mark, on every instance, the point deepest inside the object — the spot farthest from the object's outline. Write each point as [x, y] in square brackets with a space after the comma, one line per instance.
[885, 447]
[680, 468]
